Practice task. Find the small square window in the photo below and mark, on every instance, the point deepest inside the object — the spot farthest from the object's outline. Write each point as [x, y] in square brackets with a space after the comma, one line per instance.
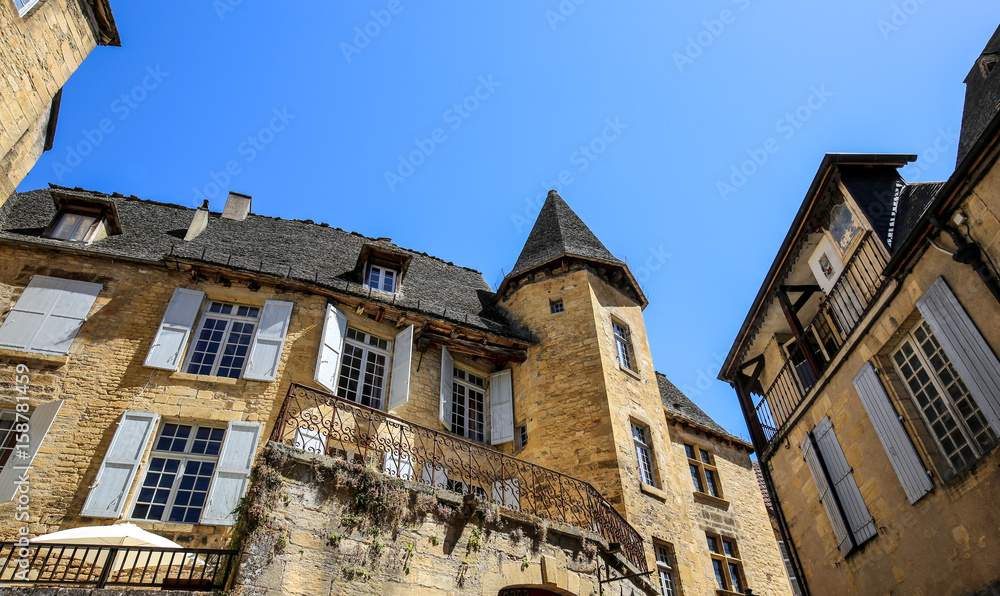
[556, 306]
[73, 227]
[382, 279]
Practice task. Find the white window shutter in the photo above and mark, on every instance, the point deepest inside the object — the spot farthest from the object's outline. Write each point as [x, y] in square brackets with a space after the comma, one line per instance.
[399, 465]
[402, 357]
[501, 407]
[310, 441]
[175, 329]
[447, 386]
[507, 493]
[826, 496]
[904, 459]
[331, 346]
[232, 473]
[110, 489]
[38, 426]
[265, 352]
[859, 520]
[973, 358]
[436, 476]
[48, 315]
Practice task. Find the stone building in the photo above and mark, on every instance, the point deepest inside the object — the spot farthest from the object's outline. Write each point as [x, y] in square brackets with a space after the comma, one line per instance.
[867, 369]
[44, 43]
[394, 425]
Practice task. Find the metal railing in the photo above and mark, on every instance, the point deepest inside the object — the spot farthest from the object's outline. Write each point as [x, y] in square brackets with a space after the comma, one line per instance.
[318, 422]
[100, 566]
[842, 310]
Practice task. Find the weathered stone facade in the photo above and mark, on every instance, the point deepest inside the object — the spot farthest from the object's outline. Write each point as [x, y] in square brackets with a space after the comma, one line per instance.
[42, 49]
[934, 522]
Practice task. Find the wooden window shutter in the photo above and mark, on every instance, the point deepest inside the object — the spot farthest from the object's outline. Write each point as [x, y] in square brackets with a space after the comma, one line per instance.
[121, 463]
[48, 315]
[972, 356]
[859, 520]
[175, 329]
[402, 357]
[331, 346]
[232, 473]
[501, 407]
[904, 459]
[826, 496]
[265, 352]
[447, 386]
[38, 426]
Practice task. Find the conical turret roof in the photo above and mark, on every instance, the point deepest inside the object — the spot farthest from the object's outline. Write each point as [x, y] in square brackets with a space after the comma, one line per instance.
[559, 231]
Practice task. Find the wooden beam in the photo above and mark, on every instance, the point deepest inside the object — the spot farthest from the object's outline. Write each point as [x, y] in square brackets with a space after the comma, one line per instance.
[462, 346]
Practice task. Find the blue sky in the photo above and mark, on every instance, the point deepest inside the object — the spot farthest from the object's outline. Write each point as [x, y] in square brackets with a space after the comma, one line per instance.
[443, 126]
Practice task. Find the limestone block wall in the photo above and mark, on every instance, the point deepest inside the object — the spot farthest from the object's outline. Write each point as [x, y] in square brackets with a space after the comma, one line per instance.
[943, 543]
[322, 535]
[41, 51]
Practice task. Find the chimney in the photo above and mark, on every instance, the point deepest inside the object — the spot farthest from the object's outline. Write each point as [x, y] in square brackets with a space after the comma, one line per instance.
[237, 206]
[199, 223]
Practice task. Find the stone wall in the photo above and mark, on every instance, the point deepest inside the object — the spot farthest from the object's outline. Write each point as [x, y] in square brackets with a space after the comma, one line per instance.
[330, 527]
[41, 51]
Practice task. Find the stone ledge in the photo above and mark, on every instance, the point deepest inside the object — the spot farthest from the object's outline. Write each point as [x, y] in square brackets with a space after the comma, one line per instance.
[53, 591]
[36, 358]
[652, 491]
[711, 500]
[183, 376]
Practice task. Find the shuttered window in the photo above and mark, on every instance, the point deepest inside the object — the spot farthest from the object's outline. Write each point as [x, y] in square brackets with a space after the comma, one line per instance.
[468, 405]
[20, 438]
[838, 490]
[501, 407]
[121, 462]
[902, 455]
[447, 372]
[232, 475]
[330, 348]
[48, 315]
[402, 357]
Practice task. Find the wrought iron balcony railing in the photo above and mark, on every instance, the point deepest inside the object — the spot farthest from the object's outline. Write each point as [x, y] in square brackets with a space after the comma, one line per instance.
[321, 423]
[839, 315]
[106, 566]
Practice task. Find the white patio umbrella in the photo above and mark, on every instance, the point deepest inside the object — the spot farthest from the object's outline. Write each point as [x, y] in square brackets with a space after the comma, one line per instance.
[125, 534]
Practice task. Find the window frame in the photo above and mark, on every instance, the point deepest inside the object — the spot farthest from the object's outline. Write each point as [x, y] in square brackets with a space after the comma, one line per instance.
[521, 440]
[24, 6]
[8, 435]
[945, 397]
[230, 319]
[728, 559]
[88, 231]
[469, 386]
[185, 457]
[666, 563]
[382, 271]
[557, 306]
[704, 473]
[643, 446]
[624, 348]
[367, 349]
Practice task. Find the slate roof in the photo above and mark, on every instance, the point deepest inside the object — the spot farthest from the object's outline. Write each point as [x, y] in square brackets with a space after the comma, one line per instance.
[982, 94]
[681, 406]
[874, 189]
[763, 487]
[914, 200]
[299, 250]
[559, 231]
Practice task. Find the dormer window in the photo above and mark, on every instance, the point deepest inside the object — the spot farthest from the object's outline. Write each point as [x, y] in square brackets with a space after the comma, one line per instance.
[74, 227]
[987, 64]
[382, 279]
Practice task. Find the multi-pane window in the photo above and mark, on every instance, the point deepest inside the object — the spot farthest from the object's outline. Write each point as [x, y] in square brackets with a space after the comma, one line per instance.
[522, 436]
[952, 415]
[363, 367]
[223, 340]
[643, 453]
[623, 345]
[7, 436]
[73, 227]
[179, 474]
[786, 558]
[382, 279]
[703, 472]
[556, 306]
[726, 563]
[665, 569]
[468, 405]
